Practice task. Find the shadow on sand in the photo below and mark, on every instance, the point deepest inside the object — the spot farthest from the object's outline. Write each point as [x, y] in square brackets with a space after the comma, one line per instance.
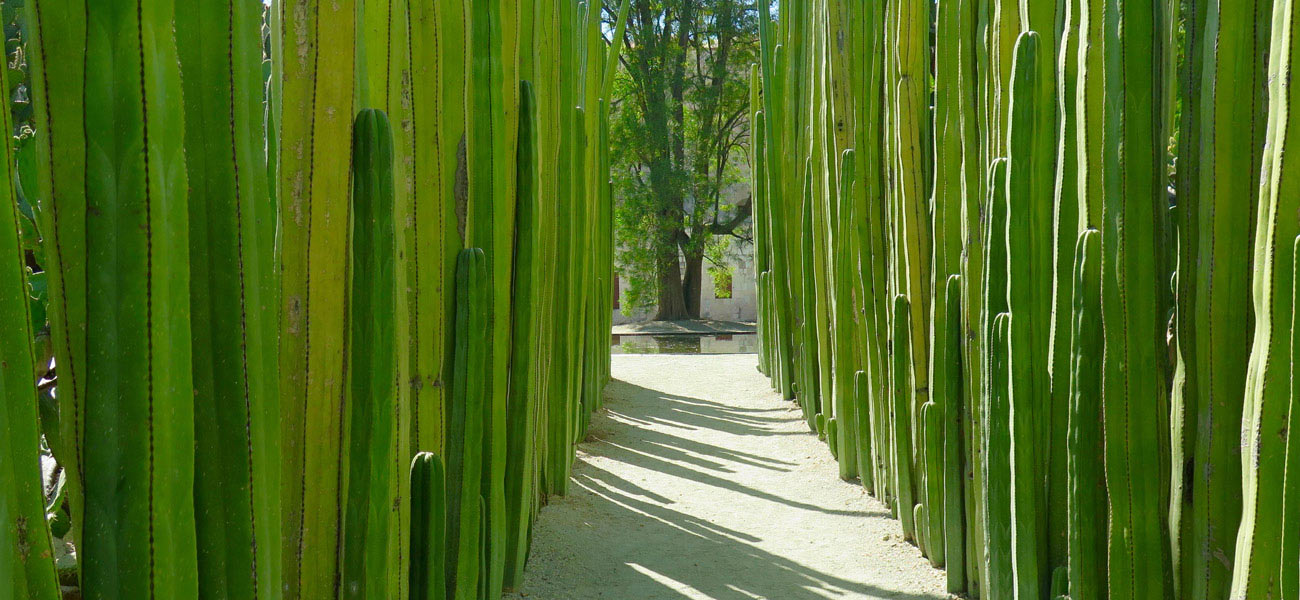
[635, 543]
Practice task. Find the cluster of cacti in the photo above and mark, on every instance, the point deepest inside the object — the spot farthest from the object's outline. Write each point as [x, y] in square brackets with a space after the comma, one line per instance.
[1031, 264]
[327, 314]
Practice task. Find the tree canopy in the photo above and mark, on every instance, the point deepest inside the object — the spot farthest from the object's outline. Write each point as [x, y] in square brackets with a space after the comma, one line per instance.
[680, 127]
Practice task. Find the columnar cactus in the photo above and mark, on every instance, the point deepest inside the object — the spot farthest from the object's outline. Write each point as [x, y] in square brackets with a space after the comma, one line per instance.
[427, 227]
[996, 442]
[901, 414]
[27, 559]
[1257, 561]
[1030, 177]
[1078, 138]
[1217, 197]
[844, 406]
[1289, 584]
[372, 486]
[1065, 233]
[139, 479]
[233, 291]
[955, 455]
[316, 103]
[1134, 390]
[997, 467]
[522, 422]
[469, 396]
[427, 578]
[932, 429]
[57, 70]
[246, 360]
[1085, 443]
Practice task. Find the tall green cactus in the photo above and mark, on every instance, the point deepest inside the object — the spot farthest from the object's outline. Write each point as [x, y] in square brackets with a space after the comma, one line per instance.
[316, 44]
[762, 243]
[997, 467]
[56, 36]
[524, 351]
[1090, 111]
[995, 438]
[466, 427]
[430, 227]
[27, 560]
[155, 224]
[138, 436]
[863, 408]
[372, 485]
[810, 381]
[844, 406]
[902, 375]
[427, 577]
[233, 286]
[1136, 400]
[1256, 565]
[490, 225]
[955, 522]
[1217, 198]
[932, 429]
[1030, 179]
[1085, 443]
[1064, 236]
[1289, 557]
[946, 222]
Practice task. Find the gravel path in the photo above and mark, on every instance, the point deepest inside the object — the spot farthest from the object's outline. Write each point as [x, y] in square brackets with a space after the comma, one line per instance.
[697, 481]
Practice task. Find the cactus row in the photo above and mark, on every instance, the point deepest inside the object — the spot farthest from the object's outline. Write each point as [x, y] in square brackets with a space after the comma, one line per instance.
[326, 314]
[1084, 246]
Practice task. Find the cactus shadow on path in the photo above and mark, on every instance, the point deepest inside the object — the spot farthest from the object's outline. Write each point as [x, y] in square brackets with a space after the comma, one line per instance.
[698, 481]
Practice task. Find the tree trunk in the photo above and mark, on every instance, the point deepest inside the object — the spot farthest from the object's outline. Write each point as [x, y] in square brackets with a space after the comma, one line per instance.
[692, 283]
[672, 302]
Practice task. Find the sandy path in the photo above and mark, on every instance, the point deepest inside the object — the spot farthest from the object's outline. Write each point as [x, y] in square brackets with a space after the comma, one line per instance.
[698, 482]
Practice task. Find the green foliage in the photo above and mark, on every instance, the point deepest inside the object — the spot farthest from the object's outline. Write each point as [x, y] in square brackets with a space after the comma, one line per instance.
[679, 130]
[722, 281]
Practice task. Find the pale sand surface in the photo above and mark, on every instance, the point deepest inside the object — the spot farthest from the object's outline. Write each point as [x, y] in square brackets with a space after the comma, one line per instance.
[697, 481]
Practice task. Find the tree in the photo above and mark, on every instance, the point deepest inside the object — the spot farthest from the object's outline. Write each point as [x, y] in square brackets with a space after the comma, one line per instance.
[680, 126]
